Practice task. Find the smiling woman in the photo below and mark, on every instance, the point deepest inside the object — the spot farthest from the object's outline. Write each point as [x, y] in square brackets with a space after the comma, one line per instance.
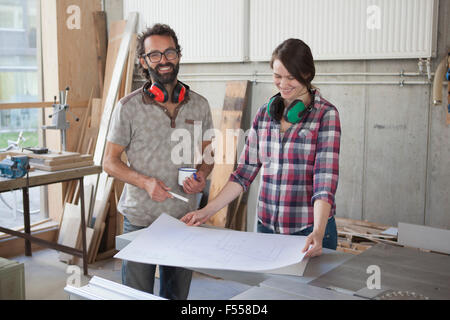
[296, 136]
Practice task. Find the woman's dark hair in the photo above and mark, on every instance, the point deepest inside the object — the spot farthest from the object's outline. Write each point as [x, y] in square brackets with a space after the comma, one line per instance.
[296, 56]
[157, 29]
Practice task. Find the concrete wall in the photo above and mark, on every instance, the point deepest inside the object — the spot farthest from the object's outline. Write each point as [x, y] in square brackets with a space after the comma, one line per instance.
[395, 146]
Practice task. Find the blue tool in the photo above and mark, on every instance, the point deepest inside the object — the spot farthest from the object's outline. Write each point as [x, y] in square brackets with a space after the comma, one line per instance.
[15, 167]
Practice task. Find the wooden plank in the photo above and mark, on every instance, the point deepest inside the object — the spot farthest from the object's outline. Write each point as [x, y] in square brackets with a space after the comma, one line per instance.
[101, 43]
[237, 214]
[118, 188]
[360, 229]
[88, 194]
[81, 158]
[110, 228]
[34, 105]
[89, 234]
[94, 253]
[90, 140]
[70, 228]
[236, 97]
[130, 65]
[347, 221]
[99, 214]
[77, 54]
[96, 113]
[106, 255]
[116, 32]
[424, 237]
[52, 155]
[111, 98]
[78, 164]
[348, 230]
[85, 122]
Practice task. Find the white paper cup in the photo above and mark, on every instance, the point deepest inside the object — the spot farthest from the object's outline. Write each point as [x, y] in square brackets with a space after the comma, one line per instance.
[184, 173]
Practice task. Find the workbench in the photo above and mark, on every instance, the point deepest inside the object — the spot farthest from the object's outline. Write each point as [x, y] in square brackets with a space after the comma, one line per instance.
[265, 286]
[405, 273]
[40, 178]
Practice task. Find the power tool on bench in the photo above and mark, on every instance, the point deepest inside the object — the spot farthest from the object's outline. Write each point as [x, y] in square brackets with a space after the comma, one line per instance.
[14, 167]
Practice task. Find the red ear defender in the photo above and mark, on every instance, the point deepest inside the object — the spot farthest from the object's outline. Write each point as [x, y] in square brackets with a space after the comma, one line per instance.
[158, 92]
[180, 92]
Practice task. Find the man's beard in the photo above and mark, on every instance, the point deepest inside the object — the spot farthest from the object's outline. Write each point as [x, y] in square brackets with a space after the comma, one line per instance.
[165, 78]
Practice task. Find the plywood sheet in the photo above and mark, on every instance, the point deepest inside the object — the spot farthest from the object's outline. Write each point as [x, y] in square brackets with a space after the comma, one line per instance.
[235, 102]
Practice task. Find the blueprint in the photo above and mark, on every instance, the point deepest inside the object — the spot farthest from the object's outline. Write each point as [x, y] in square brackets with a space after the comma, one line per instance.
[168, 241]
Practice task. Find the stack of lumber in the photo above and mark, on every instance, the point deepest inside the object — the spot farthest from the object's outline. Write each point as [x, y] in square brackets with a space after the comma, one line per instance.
[56, 160]
[356, 236]
[102, 220]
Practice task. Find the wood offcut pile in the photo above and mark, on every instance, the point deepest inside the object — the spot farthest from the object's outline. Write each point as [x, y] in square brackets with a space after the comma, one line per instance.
[356, 236]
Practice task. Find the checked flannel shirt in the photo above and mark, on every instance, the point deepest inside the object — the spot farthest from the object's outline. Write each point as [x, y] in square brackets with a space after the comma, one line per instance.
[299, 166]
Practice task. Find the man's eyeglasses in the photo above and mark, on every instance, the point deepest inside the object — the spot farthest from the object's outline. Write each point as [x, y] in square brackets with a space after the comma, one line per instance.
[156, 56]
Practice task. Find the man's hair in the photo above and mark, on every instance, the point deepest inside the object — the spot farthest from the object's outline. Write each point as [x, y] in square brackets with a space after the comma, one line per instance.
[297, 58]
[157, 29]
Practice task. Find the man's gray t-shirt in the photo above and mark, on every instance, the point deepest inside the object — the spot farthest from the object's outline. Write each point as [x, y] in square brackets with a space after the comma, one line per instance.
[155, 145]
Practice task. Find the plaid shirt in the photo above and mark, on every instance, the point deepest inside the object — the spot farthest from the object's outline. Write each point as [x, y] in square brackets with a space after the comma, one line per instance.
[299, 167]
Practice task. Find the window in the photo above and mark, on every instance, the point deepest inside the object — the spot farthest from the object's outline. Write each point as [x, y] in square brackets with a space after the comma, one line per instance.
[19, 82]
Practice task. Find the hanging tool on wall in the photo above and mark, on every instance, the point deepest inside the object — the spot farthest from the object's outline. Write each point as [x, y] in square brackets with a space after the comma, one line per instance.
[59, 116]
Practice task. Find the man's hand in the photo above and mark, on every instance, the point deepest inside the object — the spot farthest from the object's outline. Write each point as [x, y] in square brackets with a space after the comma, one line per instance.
[315, 239]
[192, 185]
[196, 218]
[157, 190]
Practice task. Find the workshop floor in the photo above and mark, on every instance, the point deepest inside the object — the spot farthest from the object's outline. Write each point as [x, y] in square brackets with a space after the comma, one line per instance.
[46, 277]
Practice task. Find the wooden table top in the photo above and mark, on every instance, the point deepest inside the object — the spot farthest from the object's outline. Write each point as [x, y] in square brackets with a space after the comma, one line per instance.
[39, 177]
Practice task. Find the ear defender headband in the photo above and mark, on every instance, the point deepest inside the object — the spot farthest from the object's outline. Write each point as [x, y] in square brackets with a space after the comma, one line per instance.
[158, 93]
[294, 113]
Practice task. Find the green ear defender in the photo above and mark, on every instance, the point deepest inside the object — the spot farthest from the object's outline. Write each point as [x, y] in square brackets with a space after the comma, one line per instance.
[294, 113]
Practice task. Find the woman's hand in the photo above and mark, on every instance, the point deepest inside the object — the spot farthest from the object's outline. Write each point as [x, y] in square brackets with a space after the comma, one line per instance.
[315, 239]
[196, 218]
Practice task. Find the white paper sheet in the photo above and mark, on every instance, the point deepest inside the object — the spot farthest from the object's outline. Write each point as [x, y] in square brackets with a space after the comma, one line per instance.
[170, 242]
